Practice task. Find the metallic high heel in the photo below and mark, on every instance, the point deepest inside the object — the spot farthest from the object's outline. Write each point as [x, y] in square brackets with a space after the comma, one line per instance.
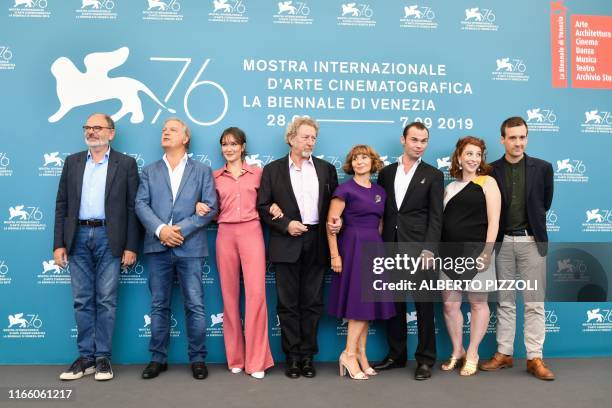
[452, 363]
[343, 366]
[469, 368]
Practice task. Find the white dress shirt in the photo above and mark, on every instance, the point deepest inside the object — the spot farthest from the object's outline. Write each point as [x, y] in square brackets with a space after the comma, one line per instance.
[402, 180]
[176, 176]
[305, 184]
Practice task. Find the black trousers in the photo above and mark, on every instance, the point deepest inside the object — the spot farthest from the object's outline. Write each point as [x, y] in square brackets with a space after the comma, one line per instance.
[397, 327]
[299, 287]
[397, 336]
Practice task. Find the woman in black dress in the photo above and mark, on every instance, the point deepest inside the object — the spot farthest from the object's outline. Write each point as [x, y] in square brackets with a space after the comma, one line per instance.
[472, 204]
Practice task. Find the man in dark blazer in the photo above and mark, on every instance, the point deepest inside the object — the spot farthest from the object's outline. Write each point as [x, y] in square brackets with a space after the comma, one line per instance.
[413, 214]
[526, 185]
[302, 186]
[96, 231]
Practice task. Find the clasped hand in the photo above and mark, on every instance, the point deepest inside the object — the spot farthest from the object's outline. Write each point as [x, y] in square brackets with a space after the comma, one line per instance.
[171, 236]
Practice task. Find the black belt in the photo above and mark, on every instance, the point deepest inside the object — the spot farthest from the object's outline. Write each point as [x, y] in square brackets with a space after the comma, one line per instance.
[312, 226]
[525, 232]
[92, 223]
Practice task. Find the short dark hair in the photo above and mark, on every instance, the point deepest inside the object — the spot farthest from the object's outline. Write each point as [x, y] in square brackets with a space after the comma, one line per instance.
[238, 135]
[418, 125]
[109, 121]
[514, 121]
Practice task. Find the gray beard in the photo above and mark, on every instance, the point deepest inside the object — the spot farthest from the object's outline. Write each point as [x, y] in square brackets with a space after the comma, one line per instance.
[99, 143]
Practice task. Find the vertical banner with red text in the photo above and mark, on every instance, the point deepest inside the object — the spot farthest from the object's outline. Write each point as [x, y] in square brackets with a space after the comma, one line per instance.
[558, 22]
[591, 51]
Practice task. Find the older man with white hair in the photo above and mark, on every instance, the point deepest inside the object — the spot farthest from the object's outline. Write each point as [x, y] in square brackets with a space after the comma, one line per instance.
[302, 186]
[175, 242]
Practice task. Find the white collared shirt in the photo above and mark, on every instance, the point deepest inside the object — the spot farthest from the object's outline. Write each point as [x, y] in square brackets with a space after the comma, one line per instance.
[305, 184]
[402, 180]
[176, 175]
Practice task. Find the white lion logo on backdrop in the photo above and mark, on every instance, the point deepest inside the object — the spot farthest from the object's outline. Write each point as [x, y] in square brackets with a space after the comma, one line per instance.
[221, 5]
[594, 215]
[18, 211]
[444, 162]
[285, 6]
[51, 266]
[534, 114]
[473, 13]
[504, 64]
[27, 3]
[53, 158]
[160, 5]
[593, 116]
[76, 88]
[594, 315]
[216, 319]
[17, 320]
[350, 8]
[412, 11]
[95, 4]
[565, 165]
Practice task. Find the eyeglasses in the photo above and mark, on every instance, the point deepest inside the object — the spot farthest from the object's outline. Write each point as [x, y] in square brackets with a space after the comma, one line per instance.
[96, 129]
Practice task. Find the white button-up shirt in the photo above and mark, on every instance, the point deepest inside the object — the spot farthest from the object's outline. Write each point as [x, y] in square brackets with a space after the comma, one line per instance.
[402, 180]
[176, 175]
[305, 184]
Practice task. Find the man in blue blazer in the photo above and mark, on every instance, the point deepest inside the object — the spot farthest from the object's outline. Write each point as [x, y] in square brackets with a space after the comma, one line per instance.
[175, 241]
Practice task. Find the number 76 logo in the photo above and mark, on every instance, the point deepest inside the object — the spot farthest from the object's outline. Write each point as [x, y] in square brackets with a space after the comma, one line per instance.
[76, 88]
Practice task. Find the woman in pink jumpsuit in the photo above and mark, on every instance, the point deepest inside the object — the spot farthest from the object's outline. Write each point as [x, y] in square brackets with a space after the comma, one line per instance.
[240, 246]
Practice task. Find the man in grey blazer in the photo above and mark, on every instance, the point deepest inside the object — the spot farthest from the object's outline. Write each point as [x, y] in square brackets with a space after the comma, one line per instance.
[175, 241]
[96, 230]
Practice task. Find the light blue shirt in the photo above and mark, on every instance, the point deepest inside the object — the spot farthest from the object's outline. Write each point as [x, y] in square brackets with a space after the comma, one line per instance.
[94, 187]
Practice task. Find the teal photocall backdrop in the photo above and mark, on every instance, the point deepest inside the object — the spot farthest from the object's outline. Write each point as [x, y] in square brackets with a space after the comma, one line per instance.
[363, 69]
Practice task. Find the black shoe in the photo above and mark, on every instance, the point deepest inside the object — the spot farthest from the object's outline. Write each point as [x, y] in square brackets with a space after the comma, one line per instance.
[104, 370]
[422, 372]
[199, 370]
[79, 368]
[293, 369]
[308, 369]
[153, 370]
[388, 364]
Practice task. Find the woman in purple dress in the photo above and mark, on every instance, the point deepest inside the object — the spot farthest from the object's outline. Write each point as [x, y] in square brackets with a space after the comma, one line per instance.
[361, 204]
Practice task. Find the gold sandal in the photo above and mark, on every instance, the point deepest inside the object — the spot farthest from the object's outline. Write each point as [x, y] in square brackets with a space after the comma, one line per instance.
[469, 368]
[452, 363]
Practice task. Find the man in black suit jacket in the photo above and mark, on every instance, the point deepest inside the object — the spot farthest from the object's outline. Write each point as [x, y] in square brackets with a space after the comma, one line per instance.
[526, 184]
[413, 214]
[96, 230]
[302, 186]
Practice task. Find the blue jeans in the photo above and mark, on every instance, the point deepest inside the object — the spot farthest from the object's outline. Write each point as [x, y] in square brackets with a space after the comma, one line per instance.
[94, 273]
[162, 266]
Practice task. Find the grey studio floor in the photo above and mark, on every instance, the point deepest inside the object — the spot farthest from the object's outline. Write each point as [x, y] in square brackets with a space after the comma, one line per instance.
[579, 383]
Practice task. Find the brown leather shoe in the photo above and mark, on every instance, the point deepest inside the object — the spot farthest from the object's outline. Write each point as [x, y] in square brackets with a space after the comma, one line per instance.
[537, 367]
[498, 361]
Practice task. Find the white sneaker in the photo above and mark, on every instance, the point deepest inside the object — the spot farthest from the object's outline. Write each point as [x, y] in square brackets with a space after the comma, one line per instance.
[104, 371]
[258, 374]
[79, 368]
[236, 370]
